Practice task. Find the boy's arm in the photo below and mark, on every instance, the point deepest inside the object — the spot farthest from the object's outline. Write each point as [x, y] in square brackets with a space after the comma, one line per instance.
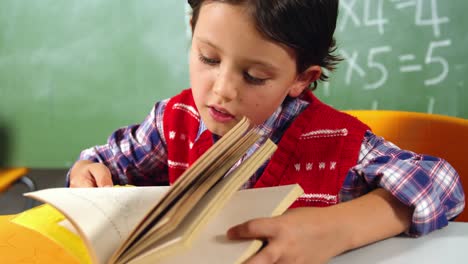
[314, 235]
[428, 184]
[409, 193]
[133, 155]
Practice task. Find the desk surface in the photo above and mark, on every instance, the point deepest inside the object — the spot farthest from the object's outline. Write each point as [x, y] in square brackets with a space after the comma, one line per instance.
[448, 245]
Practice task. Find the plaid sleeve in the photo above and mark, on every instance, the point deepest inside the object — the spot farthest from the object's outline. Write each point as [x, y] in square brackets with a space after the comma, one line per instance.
[428, 184]
[135, 154]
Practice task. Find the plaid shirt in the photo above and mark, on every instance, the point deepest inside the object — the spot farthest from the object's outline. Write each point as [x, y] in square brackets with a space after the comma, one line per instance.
[428, 184]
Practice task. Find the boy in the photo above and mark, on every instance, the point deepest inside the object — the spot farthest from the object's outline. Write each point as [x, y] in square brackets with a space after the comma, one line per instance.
[257, 58]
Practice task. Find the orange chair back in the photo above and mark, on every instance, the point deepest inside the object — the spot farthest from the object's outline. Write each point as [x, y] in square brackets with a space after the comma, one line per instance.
[8, 176]
[436, 135]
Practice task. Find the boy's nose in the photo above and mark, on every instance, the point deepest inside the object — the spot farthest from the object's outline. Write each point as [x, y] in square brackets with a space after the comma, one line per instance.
[225, 86]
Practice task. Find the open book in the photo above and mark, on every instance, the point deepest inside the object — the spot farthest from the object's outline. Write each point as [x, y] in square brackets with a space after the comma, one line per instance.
[184, 223]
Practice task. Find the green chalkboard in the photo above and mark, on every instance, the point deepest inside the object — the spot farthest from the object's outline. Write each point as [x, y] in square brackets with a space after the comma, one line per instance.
[71, 72]
[401, 55]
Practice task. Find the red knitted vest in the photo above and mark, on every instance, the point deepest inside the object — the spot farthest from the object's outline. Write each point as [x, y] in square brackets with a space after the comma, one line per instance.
[316, 151]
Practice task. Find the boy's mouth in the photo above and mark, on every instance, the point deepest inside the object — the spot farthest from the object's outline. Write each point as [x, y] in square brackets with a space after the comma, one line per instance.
[220, 114]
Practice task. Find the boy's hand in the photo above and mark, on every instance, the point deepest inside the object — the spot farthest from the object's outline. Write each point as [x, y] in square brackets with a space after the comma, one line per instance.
[86, 173]
[315, 235]
[302, 235]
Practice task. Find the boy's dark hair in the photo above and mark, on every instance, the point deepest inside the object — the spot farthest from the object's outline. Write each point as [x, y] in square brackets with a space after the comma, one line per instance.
[306, 26]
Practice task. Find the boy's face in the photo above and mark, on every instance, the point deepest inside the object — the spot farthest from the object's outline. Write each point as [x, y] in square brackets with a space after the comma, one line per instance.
[235, 71]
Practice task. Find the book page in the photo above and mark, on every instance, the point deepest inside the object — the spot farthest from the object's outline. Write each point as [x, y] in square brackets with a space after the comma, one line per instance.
[208, 206]
[203, 168]
[103, 217]
[189, 189]
[211, 246]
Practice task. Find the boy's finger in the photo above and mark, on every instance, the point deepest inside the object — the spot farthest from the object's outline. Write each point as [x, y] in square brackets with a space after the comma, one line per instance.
[83, 182]
[101, 174]
[257, 228]
[269, 254]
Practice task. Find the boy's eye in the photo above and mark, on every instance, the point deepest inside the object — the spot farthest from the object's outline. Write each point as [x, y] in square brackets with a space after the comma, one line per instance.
[208, 61]
[254, 80]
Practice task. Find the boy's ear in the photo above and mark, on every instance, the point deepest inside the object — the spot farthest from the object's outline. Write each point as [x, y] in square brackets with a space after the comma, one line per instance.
[191, 24]
[304, 79]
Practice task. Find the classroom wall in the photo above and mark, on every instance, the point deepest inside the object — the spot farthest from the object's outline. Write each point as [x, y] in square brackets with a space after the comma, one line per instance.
[71, 72]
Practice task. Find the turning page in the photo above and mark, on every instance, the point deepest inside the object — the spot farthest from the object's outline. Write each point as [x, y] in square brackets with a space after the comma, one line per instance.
[103, 217]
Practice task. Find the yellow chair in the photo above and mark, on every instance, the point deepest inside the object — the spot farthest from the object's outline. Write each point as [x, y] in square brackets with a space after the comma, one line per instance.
[436, 135]
[10, 176]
